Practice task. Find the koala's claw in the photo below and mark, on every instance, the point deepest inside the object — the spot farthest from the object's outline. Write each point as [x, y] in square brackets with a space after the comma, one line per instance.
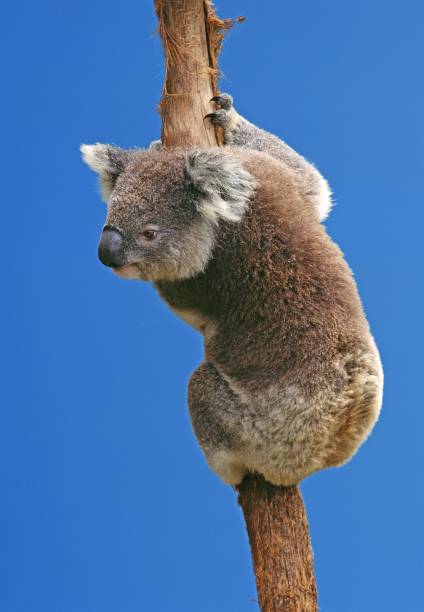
[219, 117]
[224, 101]
[225, 116]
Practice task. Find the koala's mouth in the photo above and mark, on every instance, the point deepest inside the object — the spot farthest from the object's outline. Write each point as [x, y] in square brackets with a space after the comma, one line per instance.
[130, 272]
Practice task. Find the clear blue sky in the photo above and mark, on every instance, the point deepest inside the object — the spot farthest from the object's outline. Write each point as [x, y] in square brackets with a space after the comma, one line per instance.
[106, 502]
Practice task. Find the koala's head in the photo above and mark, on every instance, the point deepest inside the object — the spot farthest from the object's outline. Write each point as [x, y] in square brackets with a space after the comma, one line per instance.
[164, 207]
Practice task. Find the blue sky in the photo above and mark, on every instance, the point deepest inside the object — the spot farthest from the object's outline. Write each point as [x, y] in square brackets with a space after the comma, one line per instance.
[107, 504]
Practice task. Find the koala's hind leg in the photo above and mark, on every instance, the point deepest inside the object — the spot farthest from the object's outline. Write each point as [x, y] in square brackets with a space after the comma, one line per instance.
[241, 133]
[215, 413]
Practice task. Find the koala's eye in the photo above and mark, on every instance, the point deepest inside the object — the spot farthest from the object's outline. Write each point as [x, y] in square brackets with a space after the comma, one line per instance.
[150, 234]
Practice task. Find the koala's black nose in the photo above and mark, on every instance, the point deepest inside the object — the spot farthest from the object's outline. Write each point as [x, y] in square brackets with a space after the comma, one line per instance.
[111, 252]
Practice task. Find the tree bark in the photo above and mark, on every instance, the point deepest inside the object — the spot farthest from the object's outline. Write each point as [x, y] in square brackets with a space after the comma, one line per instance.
[280, 544]
[192, 36]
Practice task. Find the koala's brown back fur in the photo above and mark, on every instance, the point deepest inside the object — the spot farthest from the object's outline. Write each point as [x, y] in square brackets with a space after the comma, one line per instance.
[279, 287]
[285, 312]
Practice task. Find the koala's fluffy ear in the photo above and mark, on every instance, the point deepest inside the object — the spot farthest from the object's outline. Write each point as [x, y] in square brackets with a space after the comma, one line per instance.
[222, 181]
[107, 161]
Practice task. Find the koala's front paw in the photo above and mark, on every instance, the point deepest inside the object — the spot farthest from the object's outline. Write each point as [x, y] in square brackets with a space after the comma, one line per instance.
[225, 116]
[224, 101]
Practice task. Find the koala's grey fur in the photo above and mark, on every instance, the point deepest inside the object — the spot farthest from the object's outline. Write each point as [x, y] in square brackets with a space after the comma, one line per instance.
[292, 380]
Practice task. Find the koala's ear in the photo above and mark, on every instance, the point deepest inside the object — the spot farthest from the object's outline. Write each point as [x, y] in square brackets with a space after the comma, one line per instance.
[223, 182]
[107, 161]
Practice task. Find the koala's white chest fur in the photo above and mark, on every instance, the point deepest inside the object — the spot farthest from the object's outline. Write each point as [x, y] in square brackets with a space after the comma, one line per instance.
[197, 321]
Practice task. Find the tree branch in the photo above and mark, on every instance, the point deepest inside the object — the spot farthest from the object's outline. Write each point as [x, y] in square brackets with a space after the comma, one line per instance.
[280, 544]
[192, 36]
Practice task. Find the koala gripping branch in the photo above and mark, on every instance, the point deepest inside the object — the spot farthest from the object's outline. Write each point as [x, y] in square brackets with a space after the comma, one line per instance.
[192, 36]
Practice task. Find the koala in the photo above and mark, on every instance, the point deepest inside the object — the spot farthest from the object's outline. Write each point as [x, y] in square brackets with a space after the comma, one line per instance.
[231, 238]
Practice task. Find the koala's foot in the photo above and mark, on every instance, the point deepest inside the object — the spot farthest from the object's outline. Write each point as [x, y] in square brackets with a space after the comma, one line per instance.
[225, 116]
[227, 466]
[215, 414]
